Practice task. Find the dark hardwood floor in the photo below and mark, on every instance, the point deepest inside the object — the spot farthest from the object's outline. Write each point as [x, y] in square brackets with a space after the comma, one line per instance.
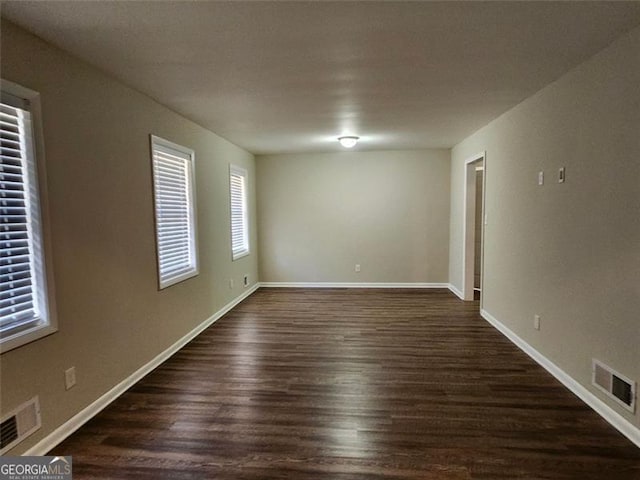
[340, 384]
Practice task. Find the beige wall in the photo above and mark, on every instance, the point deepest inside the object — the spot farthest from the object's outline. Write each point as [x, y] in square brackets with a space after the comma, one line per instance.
[569, 252]
[320, 214]
[112, 318]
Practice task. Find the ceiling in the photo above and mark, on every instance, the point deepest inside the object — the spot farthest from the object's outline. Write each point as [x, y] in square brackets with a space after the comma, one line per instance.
[277, 77]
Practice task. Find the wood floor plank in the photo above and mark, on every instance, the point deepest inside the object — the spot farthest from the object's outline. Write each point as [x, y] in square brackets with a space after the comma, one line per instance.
[350, 384]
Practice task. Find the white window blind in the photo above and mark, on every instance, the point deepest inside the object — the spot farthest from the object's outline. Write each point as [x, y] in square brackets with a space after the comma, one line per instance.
[173, 179]
[24, 309]
[239, 216]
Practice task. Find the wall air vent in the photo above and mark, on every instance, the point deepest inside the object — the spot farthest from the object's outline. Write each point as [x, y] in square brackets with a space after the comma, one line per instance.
[615, 385]
[19, 424]
[8, 432]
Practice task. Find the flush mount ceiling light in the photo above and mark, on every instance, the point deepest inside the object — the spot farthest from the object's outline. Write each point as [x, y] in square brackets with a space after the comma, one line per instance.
[348, 142]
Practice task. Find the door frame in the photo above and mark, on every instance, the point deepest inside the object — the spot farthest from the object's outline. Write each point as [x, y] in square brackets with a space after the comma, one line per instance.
[468, 245]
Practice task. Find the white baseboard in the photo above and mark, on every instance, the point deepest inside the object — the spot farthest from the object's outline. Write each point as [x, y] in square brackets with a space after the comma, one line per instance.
[75, 422]
[350, 285]
[604, 410]
[456, 291]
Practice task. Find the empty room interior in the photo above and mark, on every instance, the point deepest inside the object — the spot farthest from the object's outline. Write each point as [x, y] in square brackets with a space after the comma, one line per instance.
[321, 240]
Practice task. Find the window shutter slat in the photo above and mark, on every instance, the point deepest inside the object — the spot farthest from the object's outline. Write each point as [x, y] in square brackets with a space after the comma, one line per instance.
[238, 203]
[174, 211]
[19, 304]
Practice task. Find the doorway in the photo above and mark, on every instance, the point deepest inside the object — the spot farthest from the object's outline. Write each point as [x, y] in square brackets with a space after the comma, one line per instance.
[474, 220]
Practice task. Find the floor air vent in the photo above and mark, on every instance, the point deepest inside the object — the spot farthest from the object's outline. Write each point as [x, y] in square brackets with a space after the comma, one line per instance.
[616, 386]
[19, 424]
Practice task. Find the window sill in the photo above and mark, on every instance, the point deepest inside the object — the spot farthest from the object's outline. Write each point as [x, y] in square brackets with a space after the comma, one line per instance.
[27, 336]
[239, 255]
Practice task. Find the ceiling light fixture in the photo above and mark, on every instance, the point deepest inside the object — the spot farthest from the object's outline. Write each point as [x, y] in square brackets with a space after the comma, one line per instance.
[348, 142]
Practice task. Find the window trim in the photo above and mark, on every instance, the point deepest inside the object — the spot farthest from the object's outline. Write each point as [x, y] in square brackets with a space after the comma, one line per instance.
[235, 170]
[195, 270]
[38, 176]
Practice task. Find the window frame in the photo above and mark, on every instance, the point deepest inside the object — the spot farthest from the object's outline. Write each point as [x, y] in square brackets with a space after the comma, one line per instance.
[44, 294]
[235, 170]
[194, 270]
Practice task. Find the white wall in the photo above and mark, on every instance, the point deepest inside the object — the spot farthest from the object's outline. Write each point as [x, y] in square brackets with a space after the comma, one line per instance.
[569, 252]
[112, 318]
[320, 214]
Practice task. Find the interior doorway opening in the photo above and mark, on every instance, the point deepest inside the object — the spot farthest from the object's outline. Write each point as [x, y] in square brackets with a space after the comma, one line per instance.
[474, 221]
[477, 250]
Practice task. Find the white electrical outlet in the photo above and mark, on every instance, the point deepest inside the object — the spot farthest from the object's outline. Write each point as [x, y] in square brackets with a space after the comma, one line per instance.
[357, 268]
[536, 322]
[246, 280]
[540, 177]
[69, 377]
[231, 283]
